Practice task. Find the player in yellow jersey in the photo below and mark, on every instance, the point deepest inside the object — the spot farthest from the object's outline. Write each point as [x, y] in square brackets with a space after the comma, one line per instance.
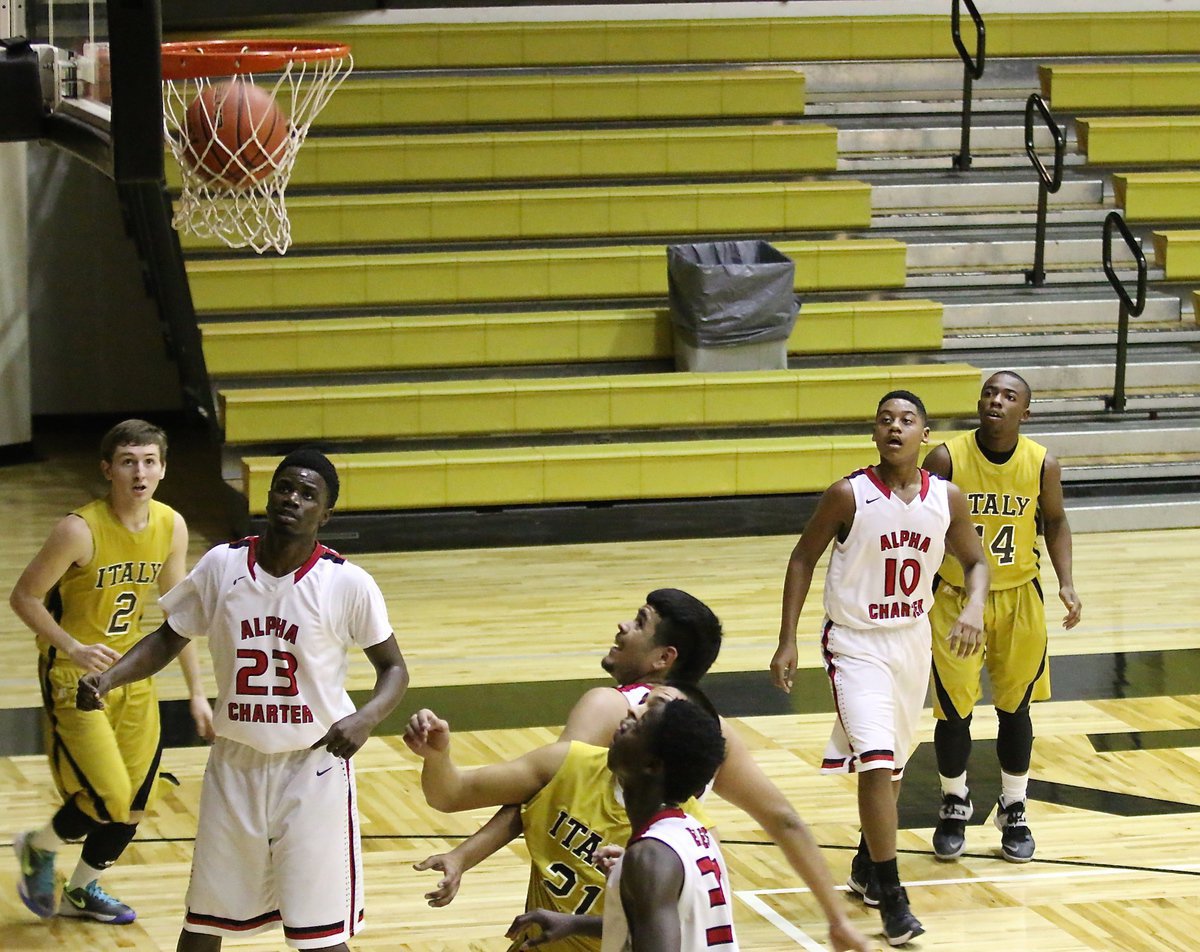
[571, 810]
[83, 595]
[1014, 489]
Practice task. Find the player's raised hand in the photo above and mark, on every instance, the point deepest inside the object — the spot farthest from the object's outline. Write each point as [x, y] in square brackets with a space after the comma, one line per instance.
[447, 887]
[1074, 606]
[345, 737]
[94, 659]
[553, 925]
[89, 694]
[783, 666]
[427, 733]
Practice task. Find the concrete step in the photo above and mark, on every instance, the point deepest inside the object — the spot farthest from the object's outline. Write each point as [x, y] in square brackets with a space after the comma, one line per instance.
[960, 193]
[944, 139]
[1035, 309]
[1127, 513]
[1153, 384]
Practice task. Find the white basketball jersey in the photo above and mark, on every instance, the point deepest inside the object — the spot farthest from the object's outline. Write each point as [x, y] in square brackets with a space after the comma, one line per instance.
[881, 576]
[279, 645]
[705, 901]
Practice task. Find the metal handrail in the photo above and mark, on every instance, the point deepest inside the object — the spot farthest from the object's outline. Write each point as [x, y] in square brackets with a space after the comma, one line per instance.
[972, 70]
[1129, 307]
[1048, 182]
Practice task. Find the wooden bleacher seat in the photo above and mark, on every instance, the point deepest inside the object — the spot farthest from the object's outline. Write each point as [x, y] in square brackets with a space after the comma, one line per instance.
[1158, 196]
[1089, 87]
[410, 342]
[512, 406]
[350, 281]
[436, 479]
[1139, 140]
[613, 212]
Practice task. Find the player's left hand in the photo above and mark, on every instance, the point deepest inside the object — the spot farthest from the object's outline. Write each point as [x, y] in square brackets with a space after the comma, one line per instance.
[966, 634]
[843, 937]
[607, 856]
[554, 926]
[202, 717]
[345, 737]
[1074, 606]
[427, 733]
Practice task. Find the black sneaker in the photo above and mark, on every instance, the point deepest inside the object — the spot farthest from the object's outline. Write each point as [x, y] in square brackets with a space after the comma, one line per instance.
[950, 835]
[899, 924]
[1016, 842]
[862, 881]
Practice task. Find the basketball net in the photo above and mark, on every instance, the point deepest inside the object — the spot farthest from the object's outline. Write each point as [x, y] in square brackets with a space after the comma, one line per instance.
[253, 213]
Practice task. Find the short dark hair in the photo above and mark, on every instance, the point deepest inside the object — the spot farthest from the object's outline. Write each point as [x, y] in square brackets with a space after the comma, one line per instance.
[907, 395]
[690, 627]
[309, 457]
[687, 740]
[132, 433]
[1016, 376]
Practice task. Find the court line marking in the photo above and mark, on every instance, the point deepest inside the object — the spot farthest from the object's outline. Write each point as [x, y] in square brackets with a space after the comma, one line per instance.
[751, 897]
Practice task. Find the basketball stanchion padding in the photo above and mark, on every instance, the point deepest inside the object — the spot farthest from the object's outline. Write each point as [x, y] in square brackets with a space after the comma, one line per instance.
[235, 114]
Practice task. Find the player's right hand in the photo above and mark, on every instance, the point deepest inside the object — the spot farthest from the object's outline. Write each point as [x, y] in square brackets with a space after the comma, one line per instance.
[427, 733]
[89, 693]
[845, 938]
[94, 659]
[783, 666]
[553, 925]
[447, 887]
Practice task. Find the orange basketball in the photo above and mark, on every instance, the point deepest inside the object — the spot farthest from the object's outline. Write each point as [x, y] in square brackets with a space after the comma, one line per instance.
[236, 134]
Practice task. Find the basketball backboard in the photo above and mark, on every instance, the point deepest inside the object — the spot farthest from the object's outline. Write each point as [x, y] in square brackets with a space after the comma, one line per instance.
[94, 67]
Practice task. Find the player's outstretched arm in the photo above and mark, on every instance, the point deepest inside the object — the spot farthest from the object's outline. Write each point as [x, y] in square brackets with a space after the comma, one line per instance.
[1057, 532]
[741, 782]
[449, 789]
[147, 657]
[834, 513]
[552, 926]
[966, 634]
[70, 543]
[651, 880]
[345, 737]
[494, 835]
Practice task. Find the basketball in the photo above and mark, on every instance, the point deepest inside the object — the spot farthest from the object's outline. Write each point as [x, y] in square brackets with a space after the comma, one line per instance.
[236, 134]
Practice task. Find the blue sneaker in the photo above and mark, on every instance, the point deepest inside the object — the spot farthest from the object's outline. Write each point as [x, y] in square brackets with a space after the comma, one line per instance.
[92, 902]
[37, 886]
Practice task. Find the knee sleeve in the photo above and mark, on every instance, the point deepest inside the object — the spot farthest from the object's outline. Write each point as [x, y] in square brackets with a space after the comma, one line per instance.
[952, 744]
[104, 846]
[1014, 741]
[71, 823]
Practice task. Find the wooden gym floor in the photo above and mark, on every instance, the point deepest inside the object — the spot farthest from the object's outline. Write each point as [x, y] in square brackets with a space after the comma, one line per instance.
[503, 640]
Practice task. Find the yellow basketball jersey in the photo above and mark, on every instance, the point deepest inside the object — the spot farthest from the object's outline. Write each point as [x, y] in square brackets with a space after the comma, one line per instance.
[1002, 499]
[103, 601]
[565, 823]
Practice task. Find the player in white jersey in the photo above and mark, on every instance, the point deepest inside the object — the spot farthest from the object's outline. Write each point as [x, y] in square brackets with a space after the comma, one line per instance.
[889, 524]
[672, 881]
[278, 834]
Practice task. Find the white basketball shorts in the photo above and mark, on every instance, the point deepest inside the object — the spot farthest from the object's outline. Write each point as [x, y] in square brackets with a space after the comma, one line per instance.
[278, 842]
[879, 678]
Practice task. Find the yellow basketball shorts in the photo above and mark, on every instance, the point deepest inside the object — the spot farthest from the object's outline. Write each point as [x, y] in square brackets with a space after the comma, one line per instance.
[107, 761]
[1014, 623]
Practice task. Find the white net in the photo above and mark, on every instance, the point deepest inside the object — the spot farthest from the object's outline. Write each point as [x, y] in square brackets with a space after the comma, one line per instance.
[236, 139]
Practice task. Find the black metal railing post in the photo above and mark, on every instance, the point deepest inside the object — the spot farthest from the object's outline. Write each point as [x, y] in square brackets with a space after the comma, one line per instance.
[972, 70]
[1129, 307]
[1048, 182]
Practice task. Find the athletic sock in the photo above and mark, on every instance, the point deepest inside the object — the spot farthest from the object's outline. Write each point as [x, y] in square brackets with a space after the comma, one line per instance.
[887, 873]
[955, 785]
[47, 840]
[83, 875]
[1013, 788]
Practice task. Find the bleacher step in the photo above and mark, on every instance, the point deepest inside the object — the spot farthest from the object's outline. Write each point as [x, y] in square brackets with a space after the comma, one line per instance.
[1120, 513]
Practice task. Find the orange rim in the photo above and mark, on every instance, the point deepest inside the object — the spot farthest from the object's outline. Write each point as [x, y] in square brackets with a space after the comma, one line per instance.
[200, 58]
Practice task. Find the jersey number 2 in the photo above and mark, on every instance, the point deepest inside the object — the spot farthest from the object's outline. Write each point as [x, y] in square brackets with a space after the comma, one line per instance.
[258, 662]
[125, 605]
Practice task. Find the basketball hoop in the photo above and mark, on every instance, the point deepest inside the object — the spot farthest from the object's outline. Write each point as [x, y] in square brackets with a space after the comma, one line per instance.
[235, 113]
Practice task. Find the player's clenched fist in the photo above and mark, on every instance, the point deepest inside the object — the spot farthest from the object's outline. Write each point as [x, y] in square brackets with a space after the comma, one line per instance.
[426, 732]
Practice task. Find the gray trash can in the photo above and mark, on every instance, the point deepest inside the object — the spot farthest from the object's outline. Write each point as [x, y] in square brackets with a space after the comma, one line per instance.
[733, 305]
